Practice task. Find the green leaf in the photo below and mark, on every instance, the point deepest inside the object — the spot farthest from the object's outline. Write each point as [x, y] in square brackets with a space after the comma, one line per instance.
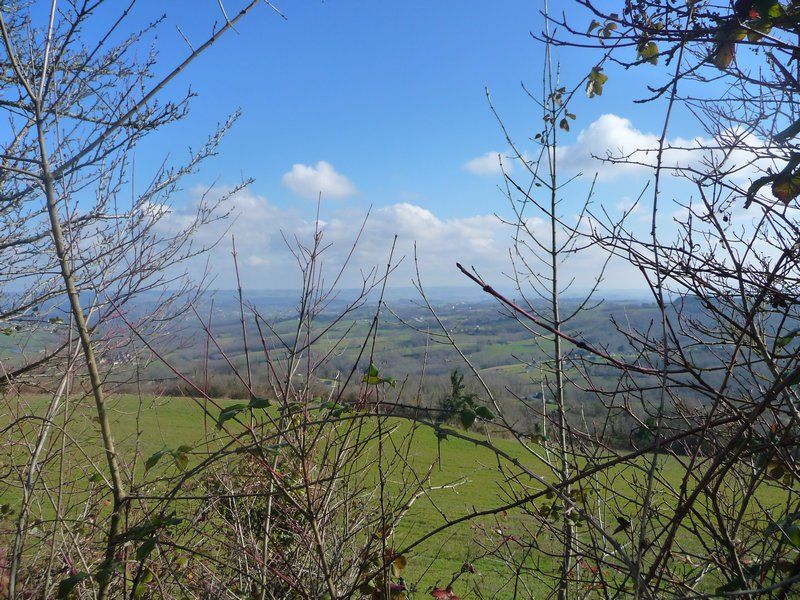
[484, 413]
[649, 53]
[596, 81]
[775, 469]
[763, 13]
[145, 549]
[608, 29]
[776, 10]
[138, 533]
[467, 417]
[139, 590]
[786, 188]
[230, 412]
[259, 403]
[340, 410]
[793, 535]
[180, 456]
[788, 133]
[65, 586]
[785, 526]
[784, 340]
[372, 377]
[623, 523]
[766, 10]
[753, 35]
[152, 461]
[146, 530]
[732, 586]
[181, 460]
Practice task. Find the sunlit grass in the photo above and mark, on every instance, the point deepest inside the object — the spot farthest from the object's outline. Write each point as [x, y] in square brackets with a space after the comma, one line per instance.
[470, 471]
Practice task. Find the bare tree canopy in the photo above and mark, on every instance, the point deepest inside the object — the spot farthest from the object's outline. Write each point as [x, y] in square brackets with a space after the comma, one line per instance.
[657, 455]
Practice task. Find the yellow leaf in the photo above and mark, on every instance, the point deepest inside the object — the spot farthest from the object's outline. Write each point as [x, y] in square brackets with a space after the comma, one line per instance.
[724, 55]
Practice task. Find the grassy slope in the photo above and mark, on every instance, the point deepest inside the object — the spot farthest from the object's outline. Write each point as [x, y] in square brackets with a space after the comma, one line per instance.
[174, 421]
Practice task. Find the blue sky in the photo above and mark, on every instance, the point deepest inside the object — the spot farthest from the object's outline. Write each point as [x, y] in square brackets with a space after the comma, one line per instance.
[390, 93]
[390, 97]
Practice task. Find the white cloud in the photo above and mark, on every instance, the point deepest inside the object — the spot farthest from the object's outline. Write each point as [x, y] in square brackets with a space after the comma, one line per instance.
[480, 240]
[609, 136]
[616, 137]
[309, 181]
[487, 165]
[262, 228]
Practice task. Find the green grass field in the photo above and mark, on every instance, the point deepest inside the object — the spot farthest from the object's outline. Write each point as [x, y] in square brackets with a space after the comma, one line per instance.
[170, 422]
